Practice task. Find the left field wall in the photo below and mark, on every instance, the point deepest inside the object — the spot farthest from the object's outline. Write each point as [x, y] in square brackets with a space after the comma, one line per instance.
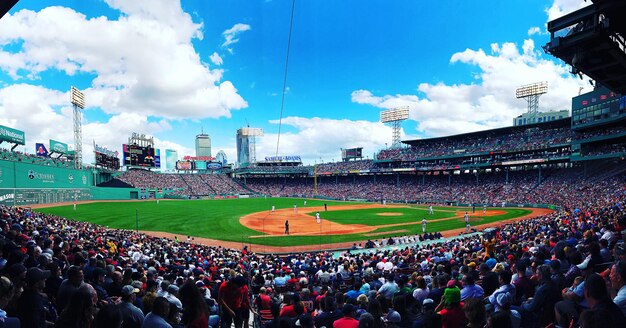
[23, 184]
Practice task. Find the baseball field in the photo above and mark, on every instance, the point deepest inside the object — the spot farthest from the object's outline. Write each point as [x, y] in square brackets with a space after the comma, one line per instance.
[237, 222]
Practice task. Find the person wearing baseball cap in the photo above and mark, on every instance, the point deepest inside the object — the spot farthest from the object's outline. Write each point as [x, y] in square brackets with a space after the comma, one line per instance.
[31, 305]
[132, 315]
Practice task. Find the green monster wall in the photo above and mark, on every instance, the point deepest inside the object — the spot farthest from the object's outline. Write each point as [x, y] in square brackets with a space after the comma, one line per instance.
[24, 184]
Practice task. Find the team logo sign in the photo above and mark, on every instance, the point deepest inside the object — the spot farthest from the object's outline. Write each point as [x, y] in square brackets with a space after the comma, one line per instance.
[70, 178]
[31, 174]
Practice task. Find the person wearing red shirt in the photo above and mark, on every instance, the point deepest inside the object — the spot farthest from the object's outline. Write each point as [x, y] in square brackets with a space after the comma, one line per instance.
[451, 309]
[231, 299]
[348, 320]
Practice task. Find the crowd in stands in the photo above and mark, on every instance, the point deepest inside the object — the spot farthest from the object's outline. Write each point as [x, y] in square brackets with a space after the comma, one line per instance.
[17, 156]
[567, 268]
[601, 132]
[364, 164]
[529, 139]
[554, 186]
[152, 180]
[183, 184]
[276, 169]
[617, 148]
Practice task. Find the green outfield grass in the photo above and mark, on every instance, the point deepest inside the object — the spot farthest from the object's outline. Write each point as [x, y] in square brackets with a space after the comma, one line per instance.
[219, 219]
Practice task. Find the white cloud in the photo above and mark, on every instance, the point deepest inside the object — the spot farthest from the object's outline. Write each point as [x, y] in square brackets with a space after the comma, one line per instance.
[45, 114]
[321, 137]
[534, 30]
[230, 35]
[562, 7]
[143, 62]
[216, 59]
[443, 109]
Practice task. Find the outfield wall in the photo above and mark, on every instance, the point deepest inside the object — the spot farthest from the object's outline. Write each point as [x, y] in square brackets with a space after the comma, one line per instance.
[23, 184]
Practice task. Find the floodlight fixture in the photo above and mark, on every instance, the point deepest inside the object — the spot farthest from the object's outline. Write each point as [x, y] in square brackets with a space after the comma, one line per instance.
[395, 116]
[534, 89]
[78, 102]
[532, 92]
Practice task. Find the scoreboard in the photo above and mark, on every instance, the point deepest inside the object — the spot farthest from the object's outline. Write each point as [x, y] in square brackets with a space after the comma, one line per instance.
[138, 156]
[352, 153]
[111, 162]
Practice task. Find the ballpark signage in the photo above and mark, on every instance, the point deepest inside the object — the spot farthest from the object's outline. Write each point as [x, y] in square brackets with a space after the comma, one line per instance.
[58, 147]
[214, 166]
[199, 158]
[40, 150]
[283, 159]
[12, 135]
[43, 177]
[104, 150]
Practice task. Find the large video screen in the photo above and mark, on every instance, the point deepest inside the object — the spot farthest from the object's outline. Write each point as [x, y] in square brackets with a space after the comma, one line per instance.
[184, 165]
[111, 162]
[138, 156]
[352, 153]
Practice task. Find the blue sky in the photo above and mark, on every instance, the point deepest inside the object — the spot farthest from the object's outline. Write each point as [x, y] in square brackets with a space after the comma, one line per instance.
[169, 69]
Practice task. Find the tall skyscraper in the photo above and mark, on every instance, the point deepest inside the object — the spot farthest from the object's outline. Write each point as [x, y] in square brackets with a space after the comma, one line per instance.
[171, 156]
[246, 145]
[203, 145]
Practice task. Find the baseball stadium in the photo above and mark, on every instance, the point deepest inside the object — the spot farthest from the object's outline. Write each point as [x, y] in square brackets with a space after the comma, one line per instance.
[516, 226]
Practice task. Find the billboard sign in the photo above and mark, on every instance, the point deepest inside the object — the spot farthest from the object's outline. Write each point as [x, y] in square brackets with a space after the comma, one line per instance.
[183, 165]
[40, 150]
[200, 165]
[214, 166]
[58, 147]
[12, 135]
[296, 158]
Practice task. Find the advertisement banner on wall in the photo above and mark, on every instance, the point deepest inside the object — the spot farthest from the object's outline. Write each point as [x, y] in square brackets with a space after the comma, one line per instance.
[58, 147]
[12, 135]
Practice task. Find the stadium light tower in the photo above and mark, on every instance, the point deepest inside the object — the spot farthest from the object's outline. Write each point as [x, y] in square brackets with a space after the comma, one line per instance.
[395, 116]
[78, 101]
[531, 93]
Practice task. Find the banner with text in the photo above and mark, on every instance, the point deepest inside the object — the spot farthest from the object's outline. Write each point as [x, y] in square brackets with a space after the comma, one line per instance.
[58, 147]
[12, 135]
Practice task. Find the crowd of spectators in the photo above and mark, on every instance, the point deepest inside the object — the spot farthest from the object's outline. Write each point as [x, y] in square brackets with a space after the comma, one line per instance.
[552, 186]
[183, 184]
[364, 164]
[565, 268]
[529, 139]
[17, 156]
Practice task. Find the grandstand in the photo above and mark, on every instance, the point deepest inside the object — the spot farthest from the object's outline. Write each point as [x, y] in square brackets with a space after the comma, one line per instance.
[564, 268]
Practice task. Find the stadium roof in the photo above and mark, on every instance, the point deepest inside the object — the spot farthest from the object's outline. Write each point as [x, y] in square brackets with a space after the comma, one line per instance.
[6, 5]
[565, 122]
